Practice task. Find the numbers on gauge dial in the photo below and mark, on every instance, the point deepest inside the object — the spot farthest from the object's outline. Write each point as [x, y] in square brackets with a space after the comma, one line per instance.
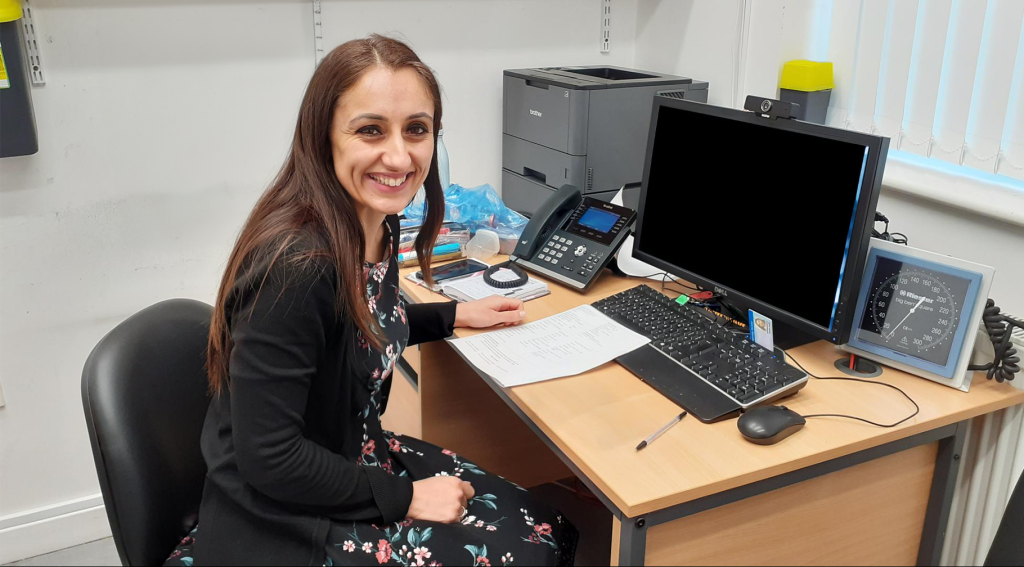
[914, 309]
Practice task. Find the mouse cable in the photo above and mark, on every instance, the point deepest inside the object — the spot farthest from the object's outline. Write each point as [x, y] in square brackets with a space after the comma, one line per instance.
[917, 408]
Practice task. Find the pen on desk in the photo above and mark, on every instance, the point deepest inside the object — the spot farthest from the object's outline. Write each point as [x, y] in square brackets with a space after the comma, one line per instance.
[658, 433]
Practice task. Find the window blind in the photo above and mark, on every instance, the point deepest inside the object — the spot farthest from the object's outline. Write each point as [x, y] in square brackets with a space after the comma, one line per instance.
[944, 79]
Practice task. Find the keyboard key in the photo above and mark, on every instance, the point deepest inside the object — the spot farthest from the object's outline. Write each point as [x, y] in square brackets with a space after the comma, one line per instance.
[791, 375]
[749, 396]
[769, 388]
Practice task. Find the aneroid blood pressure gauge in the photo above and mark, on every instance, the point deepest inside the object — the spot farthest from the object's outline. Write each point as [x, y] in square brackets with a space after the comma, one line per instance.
[919, 311]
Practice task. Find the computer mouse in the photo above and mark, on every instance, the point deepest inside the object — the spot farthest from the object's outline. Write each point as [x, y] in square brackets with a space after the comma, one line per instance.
[767, 425]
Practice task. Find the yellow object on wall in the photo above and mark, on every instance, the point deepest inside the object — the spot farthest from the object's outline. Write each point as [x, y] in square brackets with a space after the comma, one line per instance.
[807, 76]
[10, 10]
[5, 83]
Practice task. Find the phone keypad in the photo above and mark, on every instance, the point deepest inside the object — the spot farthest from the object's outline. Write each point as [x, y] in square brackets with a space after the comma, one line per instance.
[574, 258]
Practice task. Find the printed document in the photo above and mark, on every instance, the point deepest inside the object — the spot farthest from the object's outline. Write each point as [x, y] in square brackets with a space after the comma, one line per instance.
[561, 345]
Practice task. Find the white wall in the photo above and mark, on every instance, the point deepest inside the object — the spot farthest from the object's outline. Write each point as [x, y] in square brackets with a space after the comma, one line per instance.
[691, 38]
[160, 123]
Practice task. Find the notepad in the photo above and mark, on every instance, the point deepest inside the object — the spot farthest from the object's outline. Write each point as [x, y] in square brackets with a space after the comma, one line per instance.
[474, 287]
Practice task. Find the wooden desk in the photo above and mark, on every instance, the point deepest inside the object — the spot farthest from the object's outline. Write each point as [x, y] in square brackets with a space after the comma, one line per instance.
[837, 492]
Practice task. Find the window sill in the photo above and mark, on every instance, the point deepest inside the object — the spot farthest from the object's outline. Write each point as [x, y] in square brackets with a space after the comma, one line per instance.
[989, 195]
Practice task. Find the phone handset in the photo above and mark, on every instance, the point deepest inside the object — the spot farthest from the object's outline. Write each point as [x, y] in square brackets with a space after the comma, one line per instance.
[546, 220]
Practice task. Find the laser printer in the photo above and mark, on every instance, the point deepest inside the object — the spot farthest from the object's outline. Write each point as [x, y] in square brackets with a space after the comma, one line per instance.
[583, 126]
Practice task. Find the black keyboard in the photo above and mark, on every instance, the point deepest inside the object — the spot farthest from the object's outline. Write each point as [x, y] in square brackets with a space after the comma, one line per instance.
[701, 343]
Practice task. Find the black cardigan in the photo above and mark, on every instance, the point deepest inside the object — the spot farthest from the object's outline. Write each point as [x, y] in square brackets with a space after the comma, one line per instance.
[275, 441]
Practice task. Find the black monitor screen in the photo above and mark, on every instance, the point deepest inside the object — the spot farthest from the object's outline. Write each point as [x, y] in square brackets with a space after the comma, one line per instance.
[763, 211]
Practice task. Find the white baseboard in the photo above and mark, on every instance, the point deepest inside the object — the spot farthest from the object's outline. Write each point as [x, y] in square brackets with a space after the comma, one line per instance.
[52, 528]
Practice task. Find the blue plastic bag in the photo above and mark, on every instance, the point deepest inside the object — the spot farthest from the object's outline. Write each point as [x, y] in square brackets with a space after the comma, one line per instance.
[476, 207]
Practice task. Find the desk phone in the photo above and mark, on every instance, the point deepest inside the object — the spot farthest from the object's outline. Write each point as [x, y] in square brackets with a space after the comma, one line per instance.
[572, 238]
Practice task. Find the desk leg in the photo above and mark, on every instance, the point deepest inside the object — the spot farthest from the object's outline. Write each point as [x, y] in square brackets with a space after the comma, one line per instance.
[947, 468]
[629, 541]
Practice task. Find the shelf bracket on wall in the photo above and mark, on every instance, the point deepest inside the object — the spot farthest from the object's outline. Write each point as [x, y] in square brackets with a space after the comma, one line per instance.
[318, 34]
[606, 26]
[35, 64]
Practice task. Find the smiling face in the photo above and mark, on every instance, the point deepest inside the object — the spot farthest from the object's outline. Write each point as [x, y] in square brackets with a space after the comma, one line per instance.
[382, 140]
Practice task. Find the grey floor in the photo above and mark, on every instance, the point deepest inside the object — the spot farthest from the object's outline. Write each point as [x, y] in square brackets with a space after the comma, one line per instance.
[101, 552]
[593, 521]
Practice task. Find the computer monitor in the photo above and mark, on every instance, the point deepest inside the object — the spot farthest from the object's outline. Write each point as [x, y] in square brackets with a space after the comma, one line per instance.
[774, 215]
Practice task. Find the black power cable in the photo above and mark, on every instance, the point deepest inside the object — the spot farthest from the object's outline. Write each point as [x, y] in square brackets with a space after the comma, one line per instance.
[998, 326]
[896, 237]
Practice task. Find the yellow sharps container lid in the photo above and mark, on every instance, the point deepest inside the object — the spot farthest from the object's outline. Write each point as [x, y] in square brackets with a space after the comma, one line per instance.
[807, 76]
[10, 10]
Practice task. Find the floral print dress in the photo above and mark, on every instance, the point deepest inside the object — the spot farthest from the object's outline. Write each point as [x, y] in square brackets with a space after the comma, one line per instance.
[503, 525]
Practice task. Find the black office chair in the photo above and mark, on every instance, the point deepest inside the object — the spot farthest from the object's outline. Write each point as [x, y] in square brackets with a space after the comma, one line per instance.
[145, 395]
[1008, 545]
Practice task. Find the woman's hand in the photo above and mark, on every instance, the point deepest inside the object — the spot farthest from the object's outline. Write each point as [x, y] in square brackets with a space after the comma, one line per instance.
[440, 499]
[490, 311]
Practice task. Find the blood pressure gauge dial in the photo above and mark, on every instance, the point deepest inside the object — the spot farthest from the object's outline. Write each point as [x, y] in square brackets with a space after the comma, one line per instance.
[918, 311]
[914, 310]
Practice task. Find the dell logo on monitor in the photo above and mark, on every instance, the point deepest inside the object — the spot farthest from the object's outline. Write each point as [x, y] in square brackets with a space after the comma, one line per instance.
[536, 113]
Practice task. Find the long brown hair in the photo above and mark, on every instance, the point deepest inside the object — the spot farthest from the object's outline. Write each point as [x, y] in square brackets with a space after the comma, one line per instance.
[306, 192]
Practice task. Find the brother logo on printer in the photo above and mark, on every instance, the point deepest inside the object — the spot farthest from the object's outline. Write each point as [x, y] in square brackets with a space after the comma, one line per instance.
[536, 113]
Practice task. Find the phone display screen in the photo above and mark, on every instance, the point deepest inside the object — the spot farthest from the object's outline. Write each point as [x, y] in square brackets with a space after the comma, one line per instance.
[599, 220]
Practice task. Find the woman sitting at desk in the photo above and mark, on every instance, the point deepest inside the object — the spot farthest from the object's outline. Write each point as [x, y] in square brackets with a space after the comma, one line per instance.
[303, 344]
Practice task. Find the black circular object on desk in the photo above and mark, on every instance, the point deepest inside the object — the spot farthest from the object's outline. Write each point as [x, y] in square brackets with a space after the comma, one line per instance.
[519, 281]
